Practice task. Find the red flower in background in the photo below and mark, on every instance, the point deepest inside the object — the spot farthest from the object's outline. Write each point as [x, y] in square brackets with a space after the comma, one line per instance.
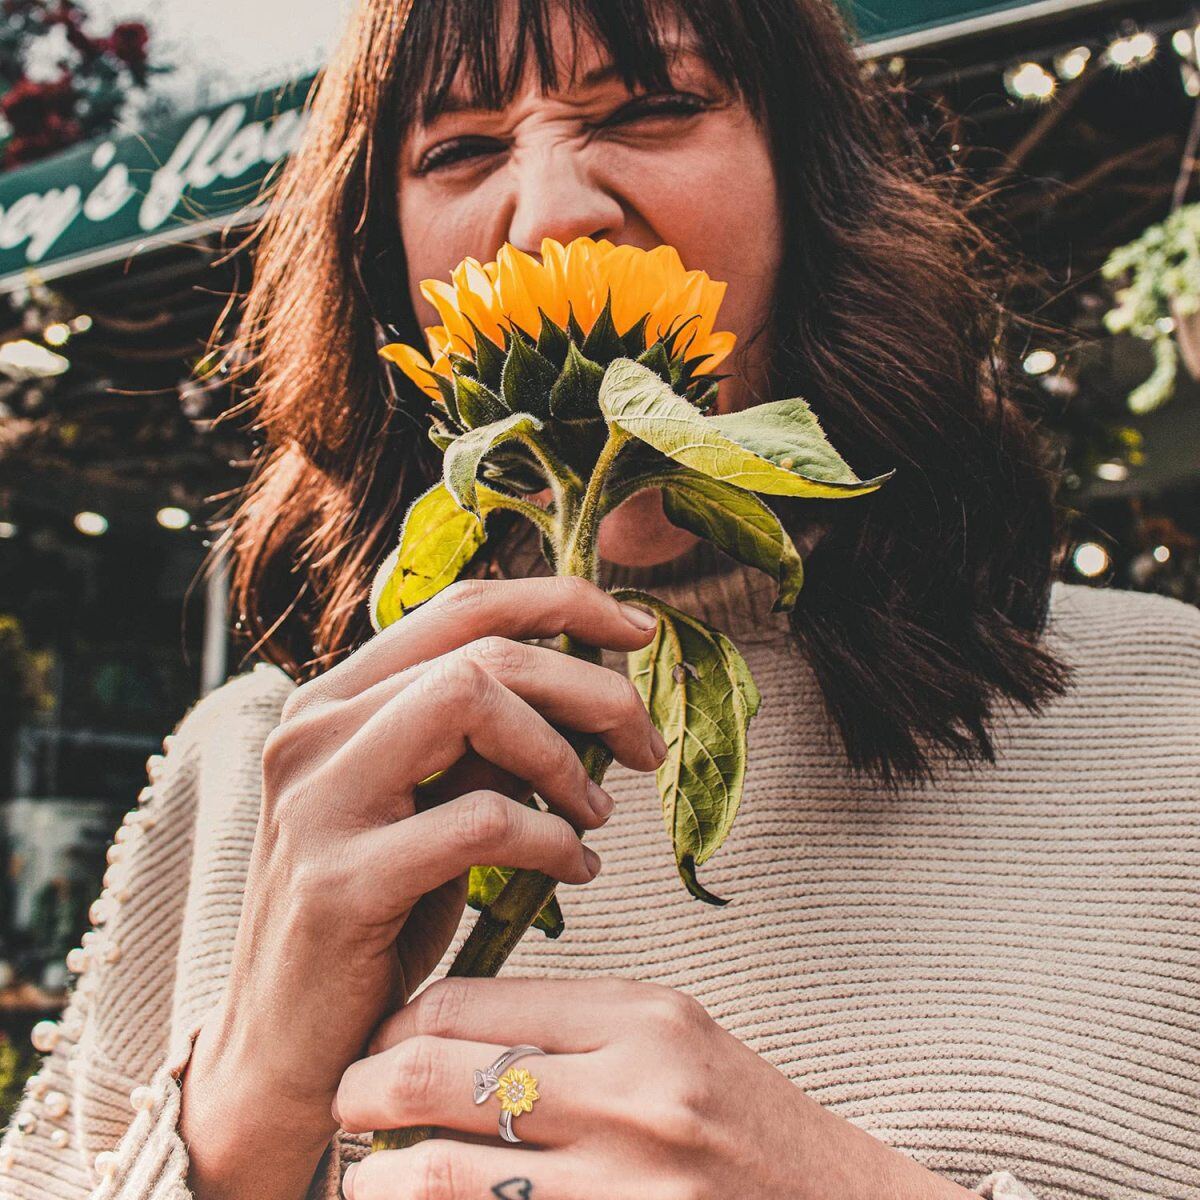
[129, 41]
[44, 117]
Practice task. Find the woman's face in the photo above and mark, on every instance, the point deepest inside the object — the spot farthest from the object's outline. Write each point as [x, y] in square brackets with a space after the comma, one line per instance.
[690, 168]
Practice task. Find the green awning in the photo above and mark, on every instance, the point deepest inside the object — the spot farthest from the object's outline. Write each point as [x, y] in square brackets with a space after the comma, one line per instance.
[113, 197]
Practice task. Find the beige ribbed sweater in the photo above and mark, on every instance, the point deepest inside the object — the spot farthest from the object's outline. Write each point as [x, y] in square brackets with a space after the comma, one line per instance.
[999, 975]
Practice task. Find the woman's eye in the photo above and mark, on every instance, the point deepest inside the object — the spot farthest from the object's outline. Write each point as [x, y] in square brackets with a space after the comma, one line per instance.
[683, 103]
[451, 152]
[658, 104]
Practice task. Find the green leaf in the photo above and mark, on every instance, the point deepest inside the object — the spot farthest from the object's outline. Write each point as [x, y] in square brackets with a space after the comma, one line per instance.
[438, 538]
[700, 695]
[461, 464]
[737, 522]
[526, 379]
[776, 448]
[484, 886]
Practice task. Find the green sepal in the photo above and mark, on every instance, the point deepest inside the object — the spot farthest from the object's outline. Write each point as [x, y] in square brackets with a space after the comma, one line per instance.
[489, 358]
[477, 403]
[440, 436]
[552, 341]
[573, 326]
[463, 364]
[575, 395]
[446, 387]
[526, 379]
[656, 358]
[633, 340]
[603, 342]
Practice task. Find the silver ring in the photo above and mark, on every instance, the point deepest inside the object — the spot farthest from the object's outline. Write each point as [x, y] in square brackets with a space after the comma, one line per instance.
[488, 1081]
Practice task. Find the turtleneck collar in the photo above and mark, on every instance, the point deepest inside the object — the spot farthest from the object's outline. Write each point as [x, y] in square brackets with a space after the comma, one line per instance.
[703, 581]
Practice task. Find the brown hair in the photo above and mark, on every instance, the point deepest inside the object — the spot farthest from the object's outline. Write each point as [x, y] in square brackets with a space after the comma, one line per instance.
[923, 603]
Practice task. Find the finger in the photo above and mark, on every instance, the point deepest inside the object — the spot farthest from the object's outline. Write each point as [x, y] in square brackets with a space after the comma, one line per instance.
[473, 608]
[562, 1016]
[454, 707]
[444, 1167]
[431, 1081]
[409, 858]
[567, 691]
[471, 774]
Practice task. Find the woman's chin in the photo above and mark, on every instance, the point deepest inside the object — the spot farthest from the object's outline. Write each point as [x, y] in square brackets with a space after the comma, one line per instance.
[637, 533]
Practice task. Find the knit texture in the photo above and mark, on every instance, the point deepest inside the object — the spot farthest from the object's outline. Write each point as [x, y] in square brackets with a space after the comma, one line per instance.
[995, 974]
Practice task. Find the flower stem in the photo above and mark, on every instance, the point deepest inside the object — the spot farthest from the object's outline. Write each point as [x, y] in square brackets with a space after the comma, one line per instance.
[502, 924]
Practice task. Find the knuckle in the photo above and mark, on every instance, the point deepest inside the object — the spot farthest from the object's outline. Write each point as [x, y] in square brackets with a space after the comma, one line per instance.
[436, 1171]
[486, 820]
[627, 699]
[298, 700]
[686, 1187]
[441, 1007]
[575, 591]
[455, 680]
[463, 596]
[280, 750]
[496, 654]
[415, 1071]
[673, 1013]
[681, 1111]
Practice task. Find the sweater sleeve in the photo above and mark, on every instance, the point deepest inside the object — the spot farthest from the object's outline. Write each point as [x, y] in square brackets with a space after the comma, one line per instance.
[99, 1119]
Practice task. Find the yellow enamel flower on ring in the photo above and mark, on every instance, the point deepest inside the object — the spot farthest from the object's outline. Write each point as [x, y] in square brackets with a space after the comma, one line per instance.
[517, 1091]
[572, 279]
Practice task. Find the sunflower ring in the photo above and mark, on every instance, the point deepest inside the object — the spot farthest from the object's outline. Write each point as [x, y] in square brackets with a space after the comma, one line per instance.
[515, 1087]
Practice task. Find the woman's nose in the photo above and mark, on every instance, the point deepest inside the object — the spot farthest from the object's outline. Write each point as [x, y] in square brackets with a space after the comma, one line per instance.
[554, 194]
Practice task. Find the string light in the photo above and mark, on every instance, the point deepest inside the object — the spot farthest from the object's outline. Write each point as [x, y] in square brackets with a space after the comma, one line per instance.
[1090, 559]
[1113, 471]
[23, 359]
[1184, 42]
[1029, 81]
[8, 529]
[1072, 63]
[1038, 362]
[171, 517]
[1131, 51]
[1162, 553]
[91, 523]
[56, 334]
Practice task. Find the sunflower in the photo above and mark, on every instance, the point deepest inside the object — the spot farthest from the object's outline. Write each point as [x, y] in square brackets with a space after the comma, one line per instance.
[517, 1091]
[583, 292]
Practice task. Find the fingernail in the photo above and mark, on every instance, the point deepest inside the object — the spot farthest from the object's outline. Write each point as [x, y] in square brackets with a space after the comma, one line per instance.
[347, 1181]
[658, 744]
[333, 1108]
[592, 859]
[599, 799]
[640, 617]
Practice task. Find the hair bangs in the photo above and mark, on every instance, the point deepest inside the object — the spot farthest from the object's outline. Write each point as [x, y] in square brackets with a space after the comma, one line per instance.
[462, 37]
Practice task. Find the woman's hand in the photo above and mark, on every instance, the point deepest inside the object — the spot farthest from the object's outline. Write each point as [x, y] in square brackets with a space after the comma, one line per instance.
[358, 876]
[642, 1096]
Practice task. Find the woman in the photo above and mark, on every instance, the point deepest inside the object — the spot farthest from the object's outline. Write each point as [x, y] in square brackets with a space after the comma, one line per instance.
[959, 954]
